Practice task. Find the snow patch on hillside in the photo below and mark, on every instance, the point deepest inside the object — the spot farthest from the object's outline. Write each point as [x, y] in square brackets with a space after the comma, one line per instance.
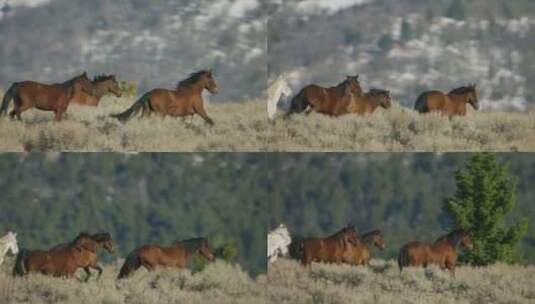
[330, 6]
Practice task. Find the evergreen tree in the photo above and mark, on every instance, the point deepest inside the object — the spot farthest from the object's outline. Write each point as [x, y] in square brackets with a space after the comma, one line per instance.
[457, 10]
[385, 43]
[406, 30]
[485, 195]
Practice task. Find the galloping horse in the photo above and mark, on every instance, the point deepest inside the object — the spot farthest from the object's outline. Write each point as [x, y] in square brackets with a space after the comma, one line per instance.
[330, 249]
[101, 85]
[365, 104]
[324, 100]
[360, 254]
[454, 103]
[278, 242]
[8, 243]
[59, 262]
[185, 100]
[176, 255]
[443, 252]
[89, 258]
[46, 97]
[278, 89]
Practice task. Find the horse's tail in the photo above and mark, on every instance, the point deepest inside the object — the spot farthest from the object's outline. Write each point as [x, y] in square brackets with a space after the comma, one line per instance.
[298, 104]
[421, 104]
[132, 263]
[19, 269]
[134, 109]
[8, 96]
[403, 259]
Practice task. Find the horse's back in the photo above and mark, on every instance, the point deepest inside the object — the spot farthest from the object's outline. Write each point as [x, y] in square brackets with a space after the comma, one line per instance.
[430, 101]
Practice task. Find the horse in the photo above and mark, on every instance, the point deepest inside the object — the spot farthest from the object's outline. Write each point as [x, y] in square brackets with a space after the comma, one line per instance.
[45, 97]
[101, 85]
[330, 249]
[59, 262]
[369, 102]
[323, 100]
[176, 255]
[89, 257]
[8, 243]
[443, 252]
[360, 254]
[185, 100]
[276, 91]
[278, 242]
[454, 103]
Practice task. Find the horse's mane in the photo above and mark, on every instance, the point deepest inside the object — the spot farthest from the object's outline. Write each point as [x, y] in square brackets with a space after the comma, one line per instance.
[101, 237]
[463, 90]
[454, 237]
[192, 244]
[101, 78]
[375, 92]
[5, 238]
[192, 79]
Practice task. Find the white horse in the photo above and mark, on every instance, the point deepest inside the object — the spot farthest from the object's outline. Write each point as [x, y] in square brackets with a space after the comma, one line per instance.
[278, 89]
[8, 242]
[278, 242]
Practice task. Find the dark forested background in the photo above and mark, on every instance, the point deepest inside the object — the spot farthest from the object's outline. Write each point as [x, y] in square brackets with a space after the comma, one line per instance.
[401, 194]
[145, 198]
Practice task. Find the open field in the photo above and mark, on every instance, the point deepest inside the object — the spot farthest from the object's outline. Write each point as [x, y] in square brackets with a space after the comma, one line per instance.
[244, 126]
[219, 282]
[383, 283]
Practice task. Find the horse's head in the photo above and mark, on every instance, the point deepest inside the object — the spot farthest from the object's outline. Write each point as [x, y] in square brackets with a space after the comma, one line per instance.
[84, 241]
[105, 240]
[110, 84]
[382, 97]
[12, 242]
[206, 250]
[466, 242]
[209, 82]
[471, 96]
[354, 84]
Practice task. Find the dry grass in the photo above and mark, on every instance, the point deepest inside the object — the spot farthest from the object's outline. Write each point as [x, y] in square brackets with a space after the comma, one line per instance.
[244, 127]
[383, 283]
[219, 282]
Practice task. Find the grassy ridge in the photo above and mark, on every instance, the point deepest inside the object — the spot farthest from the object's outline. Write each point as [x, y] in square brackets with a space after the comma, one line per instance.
[382, 283]
[219, 282]
[244, 127]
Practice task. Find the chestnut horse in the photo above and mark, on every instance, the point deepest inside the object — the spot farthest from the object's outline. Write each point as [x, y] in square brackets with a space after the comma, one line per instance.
[364, 104]
[454, 103]
[185, 100]
[360, 254]
[443, 252]
[89, 257]
[330, 249]
[324, 100]
[59, 262]
[176, 255]
[46, 97]
[101, 85]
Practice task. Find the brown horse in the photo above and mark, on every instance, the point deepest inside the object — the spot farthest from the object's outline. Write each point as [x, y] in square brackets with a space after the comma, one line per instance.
[324, 100]
[59, 262]
[443, 252]
[176, 255]
[101, 85]
[89, 258]
[454, 103]
[185, 100]
[46, 97]
[360, 254]
[330, 249]
[364, 104]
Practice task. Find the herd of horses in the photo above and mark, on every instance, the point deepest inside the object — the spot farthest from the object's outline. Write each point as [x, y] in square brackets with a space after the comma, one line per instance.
[65, 259]
[346, 246]
[186, 99]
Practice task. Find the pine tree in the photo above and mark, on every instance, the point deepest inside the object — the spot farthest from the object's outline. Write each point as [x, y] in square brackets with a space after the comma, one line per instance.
[485, 195]
[457, 10]
[406, 30]
[385, 43]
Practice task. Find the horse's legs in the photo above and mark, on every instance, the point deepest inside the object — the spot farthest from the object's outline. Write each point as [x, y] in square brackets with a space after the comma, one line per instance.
[147, 265]
[98, 268]
[88, 273]
[199, 109]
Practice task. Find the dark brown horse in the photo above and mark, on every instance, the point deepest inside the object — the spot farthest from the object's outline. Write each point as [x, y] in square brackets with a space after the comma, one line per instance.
[360, 254]
[177, 255]
[59, 262]
[443, 252]
[365, 104]
[46, 97]
[324, 100]
[101, 85]
[185, 100]
[330, 249]
[89, 256]
[454, 103]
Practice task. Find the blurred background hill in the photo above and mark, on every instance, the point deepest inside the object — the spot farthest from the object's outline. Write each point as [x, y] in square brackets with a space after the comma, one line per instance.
[409, 46]
[140, 199]
[153, 43]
